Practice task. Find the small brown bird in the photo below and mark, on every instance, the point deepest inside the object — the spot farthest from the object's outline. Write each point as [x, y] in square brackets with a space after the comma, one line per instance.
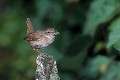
[39, 39]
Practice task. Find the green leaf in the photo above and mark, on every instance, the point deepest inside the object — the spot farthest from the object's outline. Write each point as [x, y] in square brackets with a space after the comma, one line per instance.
[113, 72]
[114, 37]
[100, 11]
[93, 67]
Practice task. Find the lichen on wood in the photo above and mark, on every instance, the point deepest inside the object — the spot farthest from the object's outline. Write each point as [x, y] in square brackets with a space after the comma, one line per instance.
[46, 68]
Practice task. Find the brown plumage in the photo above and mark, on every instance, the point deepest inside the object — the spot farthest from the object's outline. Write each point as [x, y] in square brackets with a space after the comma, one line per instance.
[39, 39]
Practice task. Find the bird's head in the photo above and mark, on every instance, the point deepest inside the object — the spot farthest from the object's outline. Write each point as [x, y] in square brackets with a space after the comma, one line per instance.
[51, 32]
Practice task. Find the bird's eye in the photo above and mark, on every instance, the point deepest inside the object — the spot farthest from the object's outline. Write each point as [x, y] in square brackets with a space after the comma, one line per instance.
[48, 32]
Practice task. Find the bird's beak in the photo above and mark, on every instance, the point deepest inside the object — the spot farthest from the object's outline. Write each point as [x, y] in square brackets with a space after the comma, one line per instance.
[56, 33]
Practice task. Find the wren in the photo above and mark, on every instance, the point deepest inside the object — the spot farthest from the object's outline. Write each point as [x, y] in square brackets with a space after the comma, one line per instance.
[39, 38]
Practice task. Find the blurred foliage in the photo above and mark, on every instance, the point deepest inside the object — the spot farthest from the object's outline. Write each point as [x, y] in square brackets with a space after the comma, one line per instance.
[100, 12]
[87, 48]
[114, 34]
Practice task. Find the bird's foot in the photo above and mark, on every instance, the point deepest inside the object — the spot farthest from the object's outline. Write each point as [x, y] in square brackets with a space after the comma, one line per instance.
[36, 50]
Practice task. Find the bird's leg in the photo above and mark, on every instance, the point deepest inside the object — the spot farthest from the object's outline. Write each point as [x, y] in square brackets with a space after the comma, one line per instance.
[36, 50]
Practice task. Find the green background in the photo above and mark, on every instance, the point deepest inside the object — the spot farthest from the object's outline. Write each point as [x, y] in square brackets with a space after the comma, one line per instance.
[88, 47]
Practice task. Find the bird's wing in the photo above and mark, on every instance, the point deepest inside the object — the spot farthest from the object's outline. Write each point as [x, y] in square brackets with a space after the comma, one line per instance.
[35, 36]
[29, 26]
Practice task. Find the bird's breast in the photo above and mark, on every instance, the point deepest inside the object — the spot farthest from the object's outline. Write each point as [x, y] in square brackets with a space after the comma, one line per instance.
[41, 43]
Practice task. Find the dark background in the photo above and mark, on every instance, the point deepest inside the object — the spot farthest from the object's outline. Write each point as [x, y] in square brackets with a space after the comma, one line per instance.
[86, 49]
